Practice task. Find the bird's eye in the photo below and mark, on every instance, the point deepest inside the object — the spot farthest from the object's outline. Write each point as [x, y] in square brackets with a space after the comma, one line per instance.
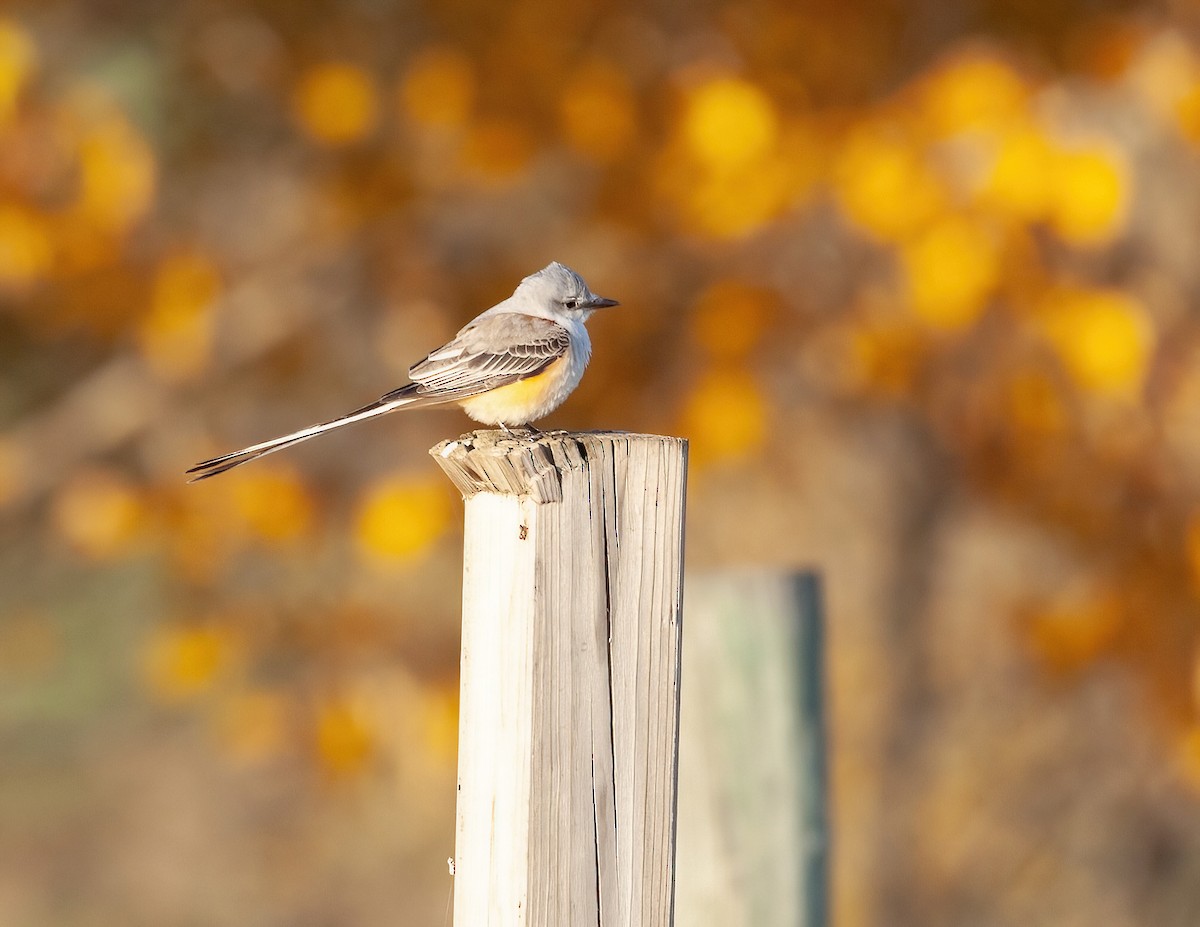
[570, 303]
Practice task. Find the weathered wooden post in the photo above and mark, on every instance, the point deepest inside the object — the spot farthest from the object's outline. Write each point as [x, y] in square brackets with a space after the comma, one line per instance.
[753, 834]
[568, 727]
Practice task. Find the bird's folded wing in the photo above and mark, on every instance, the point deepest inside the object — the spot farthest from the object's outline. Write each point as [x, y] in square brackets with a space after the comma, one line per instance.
[493, 351]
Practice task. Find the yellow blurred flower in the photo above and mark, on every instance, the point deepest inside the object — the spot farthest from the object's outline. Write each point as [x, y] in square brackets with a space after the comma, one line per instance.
[184, 661]
[977, 90]
[117, 174]
[725, 416]
[18, 57]
[438, 89]
[25, 249]
[336, 103]
[175, 337]
[951, 271]
[400, 518]
[731, 317]
[345, 738]
[273, 502]
[99, 513]
[729, 122]
[1104, 337]
[1089, 195]
[598, 110]
[884, 185]
[1022, 177]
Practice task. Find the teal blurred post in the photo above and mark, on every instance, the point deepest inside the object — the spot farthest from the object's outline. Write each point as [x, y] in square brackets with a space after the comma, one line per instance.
[753, 827]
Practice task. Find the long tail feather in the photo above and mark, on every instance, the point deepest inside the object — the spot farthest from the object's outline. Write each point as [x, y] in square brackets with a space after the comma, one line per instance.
[389, 403]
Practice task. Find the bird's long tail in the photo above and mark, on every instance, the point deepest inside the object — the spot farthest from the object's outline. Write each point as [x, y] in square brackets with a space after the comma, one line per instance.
[405, 396]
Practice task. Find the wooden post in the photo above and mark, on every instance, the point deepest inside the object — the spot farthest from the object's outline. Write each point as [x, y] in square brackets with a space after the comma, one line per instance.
[568, 725]
[753, 831]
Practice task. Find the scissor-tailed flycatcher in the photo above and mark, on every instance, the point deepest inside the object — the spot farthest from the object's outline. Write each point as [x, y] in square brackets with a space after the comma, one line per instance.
[513, 364]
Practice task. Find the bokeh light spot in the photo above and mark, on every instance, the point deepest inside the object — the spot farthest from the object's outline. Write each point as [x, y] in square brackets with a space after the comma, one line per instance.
[99, 513]
[399, 518]
[274, 503]
[1104, 338]
[950, 270]
[725, 416]
[25, 249]
[175, 336]
[336, 103]
[728, 122]
[1088, 196]
[184, 661]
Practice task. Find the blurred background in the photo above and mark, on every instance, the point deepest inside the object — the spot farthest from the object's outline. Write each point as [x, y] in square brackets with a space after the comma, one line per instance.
[917, 280]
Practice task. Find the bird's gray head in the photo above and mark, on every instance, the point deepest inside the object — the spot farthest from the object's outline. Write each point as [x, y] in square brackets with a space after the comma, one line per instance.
[559, 288]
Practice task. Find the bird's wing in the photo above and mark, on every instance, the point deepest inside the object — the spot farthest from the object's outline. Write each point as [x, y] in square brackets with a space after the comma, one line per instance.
[493, 351]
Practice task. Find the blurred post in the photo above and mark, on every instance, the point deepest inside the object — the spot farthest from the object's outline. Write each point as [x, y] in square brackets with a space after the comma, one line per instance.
[568, 727]
[753, 831]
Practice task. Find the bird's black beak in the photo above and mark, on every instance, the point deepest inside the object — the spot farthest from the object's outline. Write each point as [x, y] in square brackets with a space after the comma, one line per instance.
[599, 302]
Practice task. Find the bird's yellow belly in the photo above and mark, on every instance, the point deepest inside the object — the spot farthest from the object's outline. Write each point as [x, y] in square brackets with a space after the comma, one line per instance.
[520, 402]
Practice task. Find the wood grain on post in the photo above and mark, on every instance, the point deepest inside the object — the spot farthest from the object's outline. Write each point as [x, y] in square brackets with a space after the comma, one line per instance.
[568, 726]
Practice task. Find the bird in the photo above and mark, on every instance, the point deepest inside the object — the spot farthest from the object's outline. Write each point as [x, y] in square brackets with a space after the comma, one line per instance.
[511, 365]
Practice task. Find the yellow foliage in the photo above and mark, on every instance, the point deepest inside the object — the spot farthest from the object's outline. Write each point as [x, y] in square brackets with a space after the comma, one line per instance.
[18, 57]
[976, 91]
[25, 249]
[345, 739]
[599, 113]
[117, 174]
[400, 518]
[725, 416]
[1088, 195]
[182, 662]
[176, 335]
[99, 513]
[273, 502]
[738, 202]
[1022, 177]
[884, 185]
[729, 122]
[731, 318]
[951, 270]
[1103, 337]
[438, 89]
[336, 103]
